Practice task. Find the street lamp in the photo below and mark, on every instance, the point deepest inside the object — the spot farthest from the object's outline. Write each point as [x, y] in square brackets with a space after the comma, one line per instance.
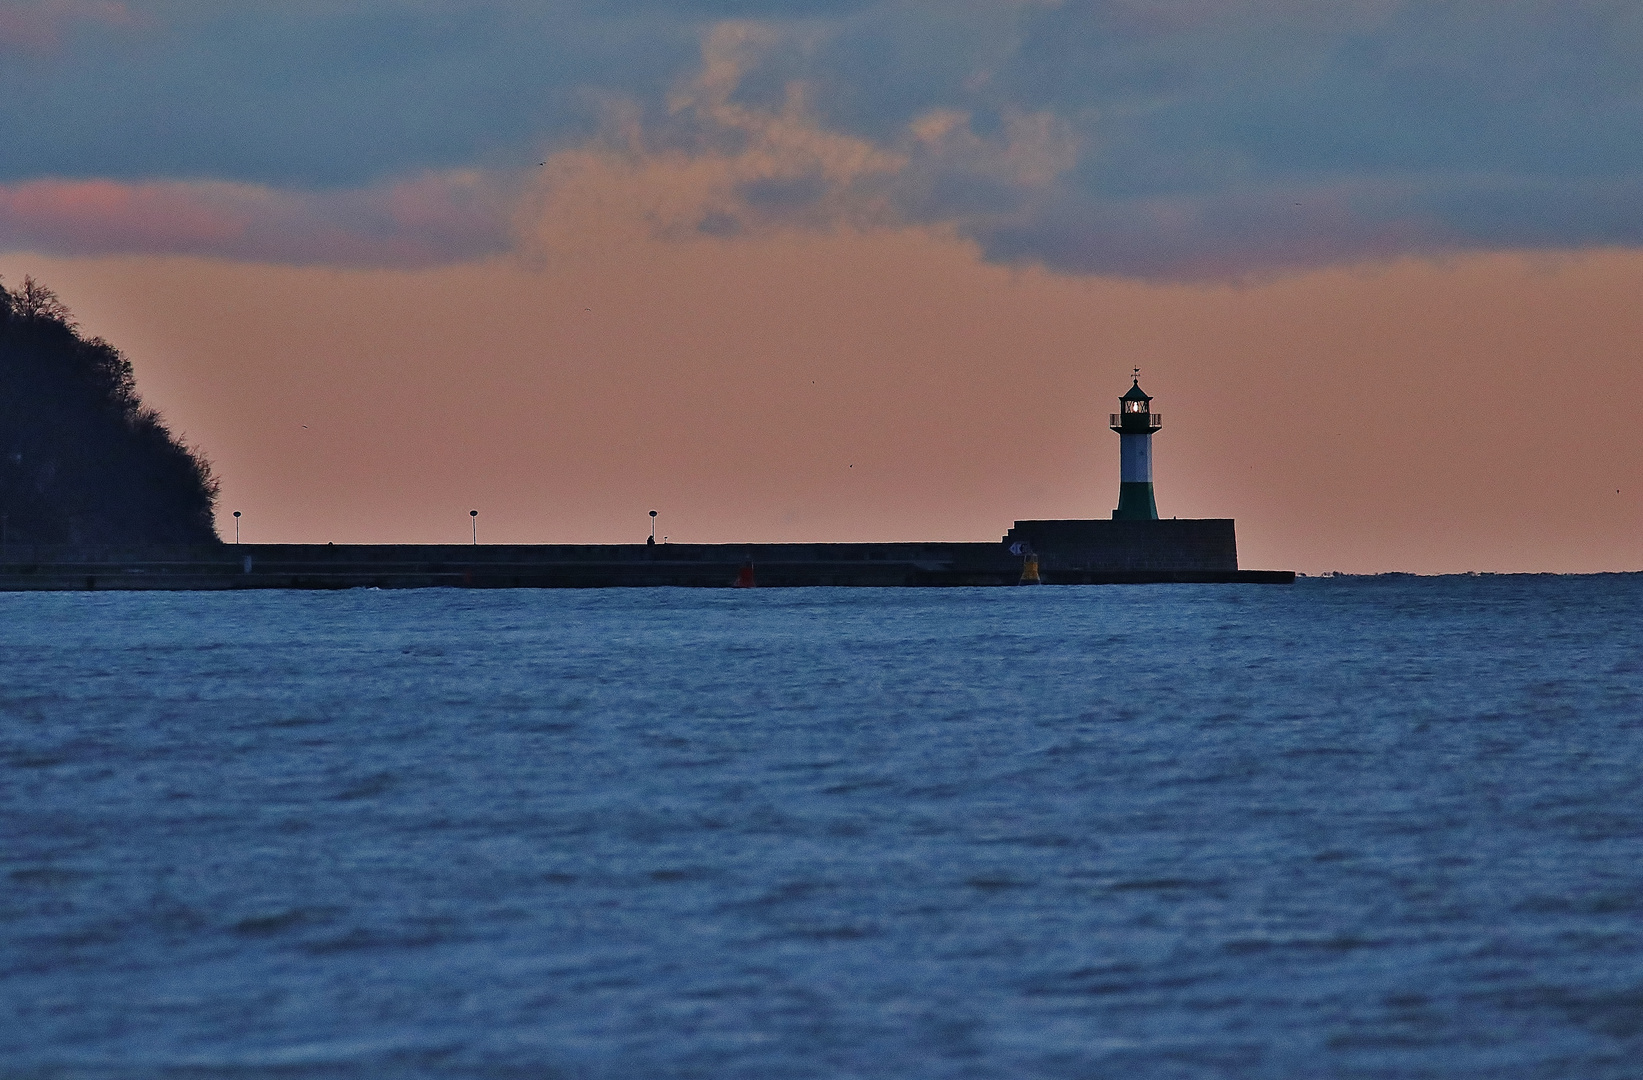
[236, 526]
[473, 517]
[652, 541]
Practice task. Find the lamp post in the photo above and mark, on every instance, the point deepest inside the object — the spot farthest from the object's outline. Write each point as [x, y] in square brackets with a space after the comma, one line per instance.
[236, 526]
[652, 541]
[473, 518]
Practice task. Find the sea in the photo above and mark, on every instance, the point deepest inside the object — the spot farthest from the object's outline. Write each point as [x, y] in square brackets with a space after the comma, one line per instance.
[1355, 827]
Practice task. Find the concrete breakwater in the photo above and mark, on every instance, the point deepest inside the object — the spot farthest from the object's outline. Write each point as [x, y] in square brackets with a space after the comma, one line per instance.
[1104, 553]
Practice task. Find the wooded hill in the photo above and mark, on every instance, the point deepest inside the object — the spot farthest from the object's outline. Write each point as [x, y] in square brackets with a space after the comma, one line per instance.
[82, 460]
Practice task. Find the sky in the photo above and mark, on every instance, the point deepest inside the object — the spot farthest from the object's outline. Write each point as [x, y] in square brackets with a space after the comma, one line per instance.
[864, 269]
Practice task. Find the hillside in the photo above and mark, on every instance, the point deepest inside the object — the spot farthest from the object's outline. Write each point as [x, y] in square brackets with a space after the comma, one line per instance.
[82, 460]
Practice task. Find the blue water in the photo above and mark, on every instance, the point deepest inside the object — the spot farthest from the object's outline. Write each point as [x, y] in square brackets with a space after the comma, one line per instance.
[1361, 827]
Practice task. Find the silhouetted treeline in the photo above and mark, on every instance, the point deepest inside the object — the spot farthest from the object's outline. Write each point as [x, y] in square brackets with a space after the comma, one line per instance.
[81, 459]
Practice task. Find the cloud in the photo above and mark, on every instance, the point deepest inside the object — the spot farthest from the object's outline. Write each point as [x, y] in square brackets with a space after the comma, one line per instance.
[411, 223]
[715, 165]
[38, 25]
[719, 167]
[710, 165]
[1142, 138]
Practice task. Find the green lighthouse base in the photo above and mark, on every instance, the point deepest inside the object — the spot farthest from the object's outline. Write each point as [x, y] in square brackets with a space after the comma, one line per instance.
[1135, 503]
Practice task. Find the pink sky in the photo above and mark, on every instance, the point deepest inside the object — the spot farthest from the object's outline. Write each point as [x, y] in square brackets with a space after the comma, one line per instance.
[1474, 414]
[862, 270]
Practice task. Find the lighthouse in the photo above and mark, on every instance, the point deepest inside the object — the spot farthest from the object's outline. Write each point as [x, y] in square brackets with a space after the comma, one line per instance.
[1135, 422]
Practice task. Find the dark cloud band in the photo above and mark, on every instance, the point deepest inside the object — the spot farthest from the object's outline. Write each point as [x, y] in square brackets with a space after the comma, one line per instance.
[1131, 137]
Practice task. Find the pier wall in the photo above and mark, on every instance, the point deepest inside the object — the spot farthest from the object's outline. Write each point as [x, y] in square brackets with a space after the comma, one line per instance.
[1207, 544]
[1069, 553]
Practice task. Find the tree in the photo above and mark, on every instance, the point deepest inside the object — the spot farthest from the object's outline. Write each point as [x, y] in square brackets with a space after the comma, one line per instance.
[82, 459]
[36, 301]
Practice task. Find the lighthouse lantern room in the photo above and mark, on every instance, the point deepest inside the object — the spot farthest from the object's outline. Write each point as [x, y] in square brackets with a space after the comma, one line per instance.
[1135, 422]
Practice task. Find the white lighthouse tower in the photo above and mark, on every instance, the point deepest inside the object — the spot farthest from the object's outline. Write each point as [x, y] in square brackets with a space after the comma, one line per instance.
[1135, 422]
